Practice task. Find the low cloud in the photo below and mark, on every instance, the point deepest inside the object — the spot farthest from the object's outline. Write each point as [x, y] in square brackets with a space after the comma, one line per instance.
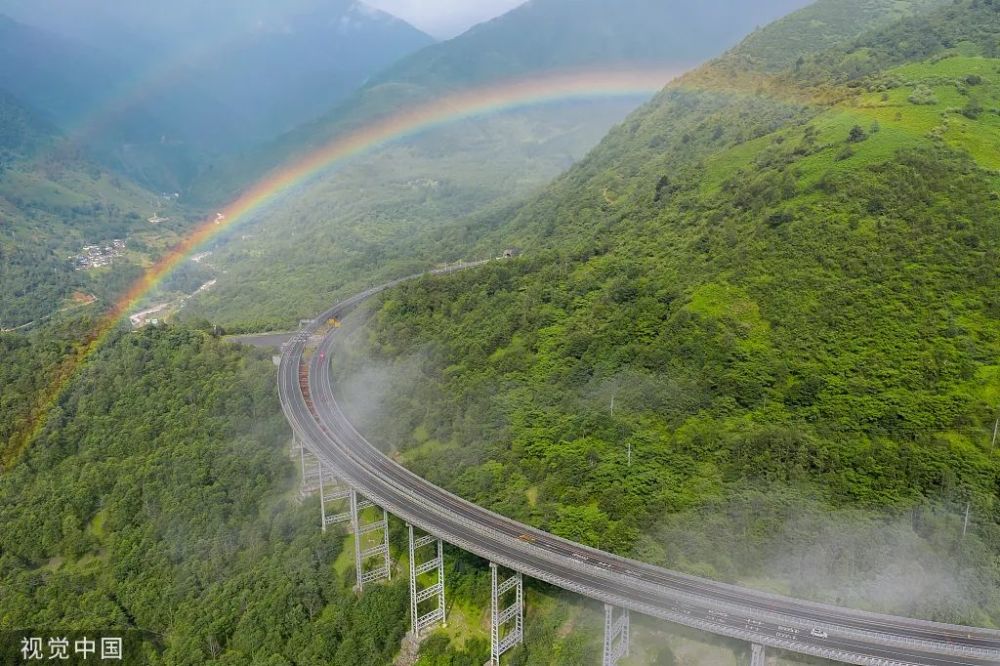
[913, 563]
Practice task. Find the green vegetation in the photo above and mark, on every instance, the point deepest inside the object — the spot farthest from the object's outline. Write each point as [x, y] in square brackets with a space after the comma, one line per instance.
[376, 218]
[53, 202]
[32, 364]
[20, 130]
[818, 28]
[785, 285]
[160, 497]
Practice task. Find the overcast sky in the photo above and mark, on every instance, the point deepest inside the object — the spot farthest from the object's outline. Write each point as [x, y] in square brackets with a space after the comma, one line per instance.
[445, 18]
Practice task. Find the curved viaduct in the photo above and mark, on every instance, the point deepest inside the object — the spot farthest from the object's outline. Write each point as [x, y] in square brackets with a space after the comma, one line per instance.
[353, 469]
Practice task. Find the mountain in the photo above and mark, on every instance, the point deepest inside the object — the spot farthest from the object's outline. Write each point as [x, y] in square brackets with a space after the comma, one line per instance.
[105, 104]
[371, 211]
[165, 495]
[562, 34]
[59, 76]
[172, 85]
[538, 37]
[22, 132]
[54, 201]
[762, 312]
[294, 65]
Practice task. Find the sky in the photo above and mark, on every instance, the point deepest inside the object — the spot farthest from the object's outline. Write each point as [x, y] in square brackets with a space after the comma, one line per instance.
[445, 18]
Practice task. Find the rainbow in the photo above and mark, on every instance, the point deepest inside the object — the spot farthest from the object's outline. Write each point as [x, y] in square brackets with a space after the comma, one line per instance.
[505, 96]
[404, 124]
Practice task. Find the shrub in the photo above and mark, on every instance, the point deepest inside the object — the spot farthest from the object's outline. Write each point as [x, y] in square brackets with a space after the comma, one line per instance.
[973, 109]
[922, 95]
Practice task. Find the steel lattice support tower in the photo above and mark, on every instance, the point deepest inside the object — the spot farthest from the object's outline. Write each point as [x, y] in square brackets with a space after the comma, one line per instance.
[310, 470]
[757, 657]
[334, 499]
[616, 634]
[418, 595]
[507, 623]
[364, 549]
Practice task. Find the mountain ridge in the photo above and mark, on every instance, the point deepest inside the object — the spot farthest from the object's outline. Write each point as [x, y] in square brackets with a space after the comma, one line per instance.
[508, 47]
[197, 81]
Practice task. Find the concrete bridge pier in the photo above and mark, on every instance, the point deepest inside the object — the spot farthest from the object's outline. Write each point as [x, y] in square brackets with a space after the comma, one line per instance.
[371, 542]
[757, 656]
[506, 622]
[418, 595]
[616, 634]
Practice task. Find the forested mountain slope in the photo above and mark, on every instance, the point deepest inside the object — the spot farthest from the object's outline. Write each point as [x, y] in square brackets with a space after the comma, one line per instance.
[754, 335]
[21, 131]
[54, 201]
[160, 498]
[373, 212]
[822, 26]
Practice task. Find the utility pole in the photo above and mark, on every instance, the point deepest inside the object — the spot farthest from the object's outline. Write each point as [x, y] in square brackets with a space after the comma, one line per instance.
[629, 442]
[968, 504]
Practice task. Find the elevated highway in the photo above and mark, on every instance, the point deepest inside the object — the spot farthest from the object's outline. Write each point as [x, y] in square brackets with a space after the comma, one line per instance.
[306, 388]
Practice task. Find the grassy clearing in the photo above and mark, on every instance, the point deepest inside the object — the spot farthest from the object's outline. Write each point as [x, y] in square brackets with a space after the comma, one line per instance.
[891, 122]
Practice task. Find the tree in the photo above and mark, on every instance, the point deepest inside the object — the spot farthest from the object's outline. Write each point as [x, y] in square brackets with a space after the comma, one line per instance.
[973, 108]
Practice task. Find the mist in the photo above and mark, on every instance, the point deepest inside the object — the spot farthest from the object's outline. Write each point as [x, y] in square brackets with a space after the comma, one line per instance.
[373, 392]
[913, 562]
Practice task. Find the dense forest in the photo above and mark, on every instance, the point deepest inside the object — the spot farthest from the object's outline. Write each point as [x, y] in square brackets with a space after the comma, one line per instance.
[761, 314]
[160, 498]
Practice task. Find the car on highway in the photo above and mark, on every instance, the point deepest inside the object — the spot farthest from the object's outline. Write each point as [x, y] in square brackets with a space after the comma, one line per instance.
[818, 633]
